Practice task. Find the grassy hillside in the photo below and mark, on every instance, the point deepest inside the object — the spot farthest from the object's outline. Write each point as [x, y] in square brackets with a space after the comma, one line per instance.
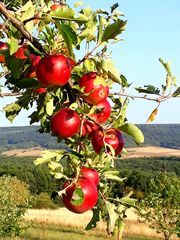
[163, 135]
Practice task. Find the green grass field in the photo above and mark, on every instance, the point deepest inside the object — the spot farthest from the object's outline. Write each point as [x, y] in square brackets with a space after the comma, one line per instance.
[53, 232]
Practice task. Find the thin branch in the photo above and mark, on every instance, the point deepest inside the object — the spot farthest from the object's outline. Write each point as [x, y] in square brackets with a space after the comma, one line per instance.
[158, 99]
[87, 55]
[3, 74]
[10, 94]
[19, 25]
[36, 16]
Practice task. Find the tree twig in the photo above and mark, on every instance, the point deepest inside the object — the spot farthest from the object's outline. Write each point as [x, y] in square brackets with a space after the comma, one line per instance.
[158, 99]
[10, 94]
[19, 25]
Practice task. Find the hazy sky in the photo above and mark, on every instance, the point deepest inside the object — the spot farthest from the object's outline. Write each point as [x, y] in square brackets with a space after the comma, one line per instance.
[152, 32]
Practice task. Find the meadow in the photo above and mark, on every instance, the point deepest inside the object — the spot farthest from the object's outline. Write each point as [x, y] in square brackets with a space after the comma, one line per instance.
[55, 221]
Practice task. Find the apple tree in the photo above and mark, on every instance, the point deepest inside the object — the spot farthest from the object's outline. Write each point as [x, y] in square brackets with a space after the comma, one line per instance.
[160, 207]
[56, 60]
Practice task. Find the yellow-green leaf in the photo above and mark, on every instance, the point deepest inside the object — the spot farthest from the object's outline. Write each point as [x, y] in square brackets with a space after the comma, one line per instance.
[133, 131]
[152, 116]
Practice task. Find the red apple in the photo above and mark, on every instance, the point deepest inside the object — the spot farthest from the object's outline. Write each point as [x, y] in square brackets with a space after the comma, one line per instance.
[96, 87]
[112, 137]
[90, 193]
[65, 123]
[91, 174]
[20, 53]
[3, 46]
[88, 128]
[53, 70]
[56, 6]
[105, 112]
[40, 90]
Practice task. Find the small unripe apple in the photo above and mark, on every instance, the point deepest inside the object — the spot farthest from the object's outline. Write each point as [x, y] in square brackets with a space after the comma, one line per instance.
[96, 87]
[65, 123]
[3, 46]
[112, 137]
[53, 70]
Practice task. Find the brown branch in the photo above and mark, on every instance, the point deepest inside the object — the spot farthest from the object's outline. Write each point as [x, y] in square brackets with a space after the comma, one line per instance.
[158, 99]
[10, 94]
[18, 24]
[87, 55]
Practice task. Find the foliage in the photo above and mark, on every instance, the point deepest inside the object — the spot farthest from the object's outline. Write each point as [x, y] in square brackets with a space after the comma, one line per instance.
[74, 32]
[14, 198]
[43, 200]
[160, 207]
[37, 178]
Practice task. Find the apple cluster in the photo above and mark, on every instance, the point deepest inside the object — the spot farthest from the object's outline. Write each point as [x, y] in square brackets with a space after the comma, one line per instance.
[54, 71]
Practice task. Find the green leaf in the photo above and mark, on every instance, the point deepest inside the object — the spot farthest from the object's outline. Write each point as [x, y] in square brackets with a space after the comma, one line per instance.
[42, 160]
[113, 73]
[176, 93]
[54, 165]
[95, 218]
[77, 197]
[148, 89]
[27, 83]
[112, 175]
[59, 175]
[69, 36]
[15, 65]
[113, 30]
[133, 131]
[13, 45]
[166, 66]
[130, 202]
[50, 107]
[48, 155]
[64, 13]
[88, 66]
[113, 216]
[124, 81]
[102, 22]
[12, 110]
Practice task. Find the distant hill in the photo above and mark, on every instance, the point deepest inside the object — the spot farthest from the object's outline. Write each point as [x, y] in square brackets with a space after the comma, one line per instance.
[163, 135]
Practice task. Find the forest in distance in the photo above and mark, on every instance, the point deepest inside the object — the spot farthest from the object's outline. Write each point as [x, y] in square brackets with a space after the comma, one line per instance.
[161, 135]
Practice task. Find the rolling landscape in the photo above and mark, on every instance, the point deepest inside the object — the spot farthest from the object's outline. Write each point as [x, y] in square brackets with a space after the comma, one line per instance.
[19, 147]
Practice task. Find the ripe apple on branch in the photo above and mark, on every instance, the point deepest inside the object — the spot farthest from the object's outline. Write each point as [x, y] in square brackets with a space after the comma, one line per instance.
[73, 98]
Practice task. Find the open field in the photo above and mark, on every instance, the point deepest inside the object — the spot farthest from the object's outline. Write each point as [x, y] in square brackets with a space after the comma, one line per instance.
[139, 152]
[63, 217]
[42, 231]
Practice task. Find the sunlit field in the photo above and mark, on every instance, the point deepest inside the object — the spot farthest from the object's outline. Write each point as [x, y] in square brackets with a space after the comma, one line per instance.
[65, 218]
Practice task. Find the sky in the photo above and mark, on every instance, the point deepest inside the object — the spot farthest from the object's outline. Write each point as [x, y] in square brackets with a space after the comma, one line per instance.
[152, 32]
